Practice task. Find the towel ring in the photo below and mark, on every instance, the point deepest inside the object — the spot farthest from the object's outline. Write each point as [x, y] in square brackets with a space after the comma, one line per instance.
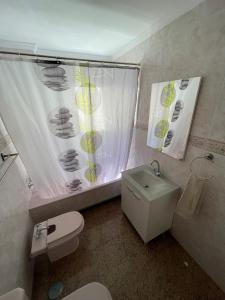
[208, 157]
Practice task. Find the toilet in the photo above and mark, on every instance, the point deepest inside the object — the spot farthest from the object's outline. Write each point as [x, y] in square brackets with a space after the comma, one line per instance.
[91, 291]
[58, 236]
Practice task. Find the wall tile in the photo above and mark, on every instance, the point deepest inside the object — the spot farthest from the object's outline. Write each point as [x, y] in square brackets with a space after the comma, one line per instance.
[16, 226]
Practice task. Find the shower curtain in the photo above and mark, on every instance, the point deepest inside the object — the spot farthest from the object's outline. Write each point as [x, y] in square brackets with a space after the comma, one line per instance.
[71, 125]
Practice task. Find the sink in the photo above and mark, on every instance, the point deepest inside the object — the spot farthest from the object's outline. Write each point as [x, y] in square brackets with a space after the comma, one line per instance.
[145, 179]
[149, 201]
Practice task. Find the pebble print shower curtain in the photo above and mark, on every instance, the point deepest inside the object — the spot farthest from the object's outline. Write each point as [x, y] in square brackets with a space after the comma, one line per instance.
[71, 125]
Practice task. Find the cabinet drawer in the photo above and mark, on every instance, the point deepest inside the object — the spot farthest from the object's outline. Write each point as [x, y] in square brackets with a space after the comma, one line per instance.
[135, 208]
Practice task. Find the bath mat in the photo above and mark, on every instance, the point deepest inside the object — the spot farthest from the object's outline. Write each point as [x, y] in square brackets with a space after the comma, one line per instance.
[55, 290]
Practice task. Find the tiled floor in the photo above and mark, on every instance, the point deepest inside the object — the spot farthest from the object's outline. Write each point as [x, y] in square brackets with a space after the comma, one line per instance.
[112, 253]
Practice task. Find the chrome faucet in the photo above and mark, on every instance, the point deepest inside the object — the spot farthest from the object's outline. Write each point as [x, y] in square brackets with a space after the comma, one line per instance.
[157, 168]
[39, 230]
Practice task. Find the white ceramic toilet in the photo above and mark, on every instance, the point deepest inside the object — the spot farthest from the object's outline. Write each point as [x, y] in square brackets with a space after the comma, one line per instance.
[91, 291]
[58, 236]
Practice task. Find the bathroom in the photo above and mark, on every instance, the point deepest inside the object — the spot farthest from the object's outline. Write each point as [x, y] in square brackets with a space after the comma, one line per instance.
[134, 45]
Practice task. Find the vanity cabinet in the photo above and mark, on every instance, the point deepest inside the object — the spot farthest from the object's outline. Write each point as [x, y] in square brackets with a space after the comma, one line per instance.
[150, 210]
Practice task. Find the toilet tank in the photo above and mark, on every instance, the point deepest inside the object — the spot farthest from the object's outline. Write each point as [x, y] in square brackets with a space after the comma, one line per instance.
[17, 294]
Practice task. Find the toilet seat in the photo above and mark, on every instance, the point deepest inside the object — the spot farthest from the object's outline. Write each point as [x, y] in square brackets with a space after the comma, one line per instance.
[68, 226]
[91, 291]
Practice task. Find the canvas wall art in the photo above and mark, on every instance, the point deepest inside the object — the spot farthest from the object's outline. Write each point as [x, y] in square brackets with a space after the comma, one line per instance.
[171, 111]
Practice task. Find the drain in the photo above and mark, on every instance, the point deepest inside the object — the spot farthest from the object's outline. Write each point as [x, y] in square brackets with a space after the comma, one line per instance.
[146, 186]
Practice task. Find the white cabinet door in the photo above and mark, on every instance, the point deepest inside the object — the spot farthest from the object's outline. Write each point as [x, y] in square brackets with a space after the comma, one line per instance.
[135, 208]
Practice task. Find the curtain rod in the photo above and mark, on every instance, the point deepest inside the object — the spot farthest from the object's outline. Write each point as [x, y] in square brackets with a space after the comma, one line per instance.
[83, 62]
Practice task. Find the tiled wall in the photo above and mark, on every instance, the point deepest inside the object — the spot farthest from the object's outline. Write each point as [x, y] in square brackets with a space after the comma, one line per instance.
[193, 45]
[4, 138]
[15, 223]
[4, 141]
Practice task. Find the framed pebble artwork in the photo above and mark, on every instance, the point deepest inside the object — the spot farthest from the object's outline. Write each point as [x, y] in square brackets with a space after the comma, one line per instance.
[171, 111]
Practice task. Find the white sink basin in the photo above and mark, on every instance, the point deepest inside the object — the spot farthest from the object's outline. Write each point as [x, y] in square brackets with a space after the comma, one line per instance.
[148, 201]
[145, 179]
[147, 183]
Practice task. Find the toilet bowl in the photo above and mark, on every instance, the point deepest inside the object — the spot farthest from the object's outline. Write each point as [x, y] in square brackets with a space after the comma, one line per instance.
[58, 236]
[91, 291]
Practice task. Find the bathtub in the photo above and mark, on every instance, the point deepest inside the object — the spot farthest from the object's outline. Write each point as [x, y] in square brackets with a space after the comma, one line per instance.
[43, 209]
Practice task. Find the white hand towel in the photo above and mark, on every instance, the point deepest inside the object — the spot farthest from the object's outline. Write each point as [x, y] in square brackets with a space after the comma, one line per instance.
[189, 199]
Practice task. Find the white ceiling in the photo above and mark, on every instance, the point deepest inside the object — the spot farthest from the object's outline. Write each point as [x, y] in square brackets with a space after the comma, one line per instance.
[91, 27]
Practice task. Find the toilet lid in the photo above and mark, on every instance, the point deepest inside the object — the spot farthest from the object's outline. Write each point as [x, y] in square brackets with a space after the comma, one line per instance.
[65, 224]
[91, 291]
